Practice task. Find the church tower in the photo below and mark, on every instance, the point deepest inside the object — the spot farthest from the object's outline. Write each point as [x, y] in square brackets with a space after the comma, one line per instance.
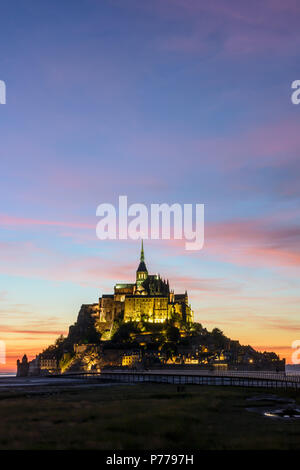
[141, 273]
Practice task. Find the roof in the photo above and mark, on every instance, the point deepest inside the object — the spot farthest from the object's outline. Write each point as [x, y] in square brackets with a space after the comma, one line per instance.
[179, 296]
[142, 267]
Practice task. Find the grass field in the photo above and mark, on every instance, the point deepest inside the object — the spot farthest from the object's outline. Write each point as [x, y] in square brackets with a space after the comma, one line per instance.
[141, 417]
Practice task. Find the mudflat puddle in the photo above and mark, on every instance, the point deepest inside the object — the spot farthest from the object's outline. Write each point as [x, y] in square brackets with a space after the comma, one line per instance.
[275, 407]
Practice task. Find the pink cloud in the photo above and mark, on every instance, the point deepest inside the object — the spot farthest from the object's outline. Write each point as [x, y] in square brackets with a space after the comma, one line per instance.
[7, 220]
[257, 242]
[254, 243]
[249, 242]
[24, 331]
[217, 286]
[28, 260]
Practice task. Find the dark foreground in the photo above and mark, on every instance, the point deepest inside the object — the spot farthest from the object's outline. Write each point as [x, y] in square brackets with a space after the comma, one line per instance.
[95, 415]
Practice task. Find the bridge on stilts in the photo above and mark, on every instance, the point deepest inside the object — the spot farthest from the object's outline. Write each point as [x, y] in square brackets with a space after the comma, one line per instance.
[196, 377]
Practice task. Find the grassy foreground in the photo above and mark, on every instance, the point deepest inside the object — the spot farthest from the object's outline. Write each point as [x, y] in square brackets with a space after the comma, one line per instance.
[141, 417]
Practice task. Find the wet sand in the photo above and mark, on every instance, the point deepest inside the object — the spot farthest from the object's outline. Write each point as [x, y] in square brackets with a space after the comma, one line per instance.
[36, 385]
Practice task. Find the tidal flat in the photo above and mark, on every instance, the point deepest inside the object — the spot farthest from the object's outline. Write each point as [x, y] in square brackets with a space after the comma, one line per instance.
[76, 414]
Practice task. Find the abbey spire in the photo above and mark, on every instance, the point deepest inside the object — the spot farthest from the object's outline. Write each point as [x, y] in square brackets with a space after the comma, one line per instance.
[141, 273]
[142, 258]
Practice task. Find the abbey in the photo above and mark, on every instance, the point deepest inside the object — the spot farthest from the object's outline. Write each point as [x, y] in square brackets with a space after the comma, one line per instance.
[149, 299]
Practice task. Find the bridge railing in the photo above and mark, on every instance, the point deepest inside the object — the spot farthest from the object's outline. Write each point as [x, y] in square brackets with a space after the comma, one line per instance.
[195, 377]
[283, 376]
[267, 381]
[201, 379]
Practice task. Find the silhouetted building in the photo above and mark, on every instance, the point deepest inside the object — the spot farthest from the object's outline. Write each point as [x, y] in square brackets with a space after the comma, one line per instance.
[22, 367]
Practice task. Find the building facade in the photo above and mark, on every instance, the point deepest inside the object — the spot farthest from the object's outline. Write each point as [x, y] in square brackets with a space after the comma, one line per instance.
[149, 299]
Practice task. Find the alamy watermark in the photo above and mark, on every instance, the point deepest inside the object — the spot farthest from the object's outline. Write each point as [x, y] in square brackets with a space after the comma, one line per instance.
[296, 353]
[2, 92]
[2, 353]
[162, 221]
[295, 97]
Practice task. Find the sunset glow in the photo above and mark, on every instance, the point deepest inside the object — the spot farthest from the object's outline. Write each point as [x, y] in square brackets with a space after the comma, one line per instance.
[172, 101]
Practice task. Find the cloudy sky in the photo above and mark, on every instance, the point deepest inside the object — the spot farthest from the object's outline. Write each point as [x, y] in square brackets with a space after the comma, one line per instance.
[163, 101]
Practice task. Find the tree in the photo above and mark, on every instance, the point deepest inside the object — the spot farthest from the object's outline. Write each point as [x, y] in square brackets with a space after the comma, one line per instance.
[59, 340]
[218, 338]
[169, 350]
[195, 329]
[172, 334]
[123, 333]
[65, 361]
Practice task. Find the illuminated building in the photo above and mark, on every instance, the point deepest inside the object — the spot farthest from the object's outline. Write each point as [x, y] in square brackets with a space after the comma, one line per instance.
[149, 299]
[129, 359]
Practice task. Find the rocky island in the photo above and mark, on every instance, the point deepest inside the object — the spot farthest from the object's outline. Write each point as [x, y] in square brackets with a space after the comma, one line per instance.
[143, 325]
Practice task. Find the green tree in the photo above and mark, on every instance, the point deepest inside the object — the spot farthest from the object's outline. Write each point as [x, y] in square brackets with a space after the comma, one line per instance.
[65, 361]
[172, 334]
[123, 333]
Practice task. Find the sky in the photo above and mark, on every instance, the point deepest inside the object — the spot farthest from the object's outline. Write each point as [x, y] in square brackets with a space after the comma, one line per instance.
[163, 101]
